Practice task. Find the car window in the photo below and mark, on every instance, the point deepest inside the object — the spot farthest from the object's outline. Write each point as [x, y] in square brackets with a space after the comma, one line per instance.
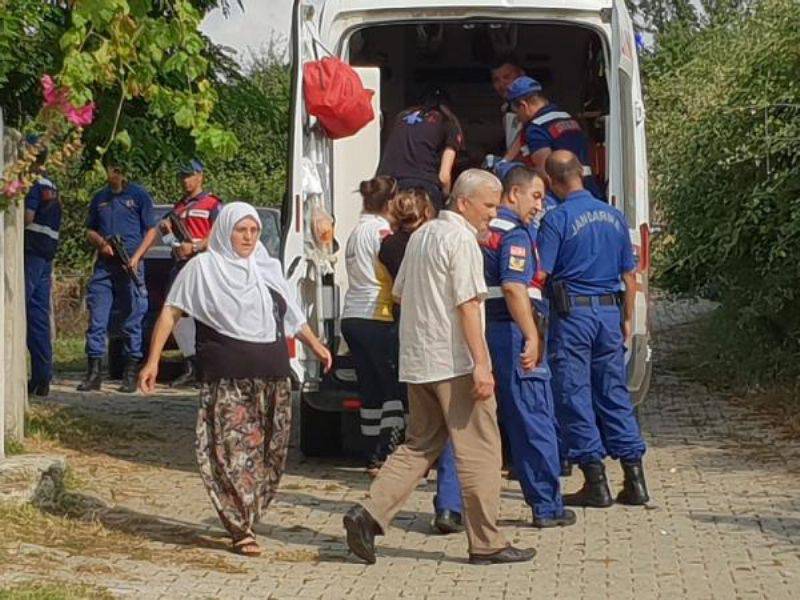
[270, 233]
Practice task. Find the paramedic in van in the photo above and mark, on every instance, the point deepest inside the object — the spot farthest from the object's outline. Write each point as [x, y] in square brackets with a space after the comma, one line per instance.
[42, 225]
[244, 311]
[503, 75]
[197, 210]
[586, 255]
[445, 361]
[516, 316]
[422, 147]
[368, 325]
[121, 209]
[546, 128]
[410, 210]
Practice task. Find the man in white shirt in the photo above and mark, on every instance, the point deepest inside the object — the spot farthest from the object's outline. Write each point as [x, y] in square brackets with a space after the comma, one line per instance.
[445, 361]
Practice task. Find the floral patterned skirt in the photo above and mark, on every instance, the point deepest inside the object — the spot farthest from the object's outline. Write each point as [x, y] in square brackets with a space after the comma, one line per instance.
[243, 431]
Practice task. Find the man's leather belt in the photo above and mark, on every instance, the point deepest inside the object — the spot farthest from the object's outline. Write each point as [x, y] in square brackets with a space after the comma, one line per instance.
[605, 300]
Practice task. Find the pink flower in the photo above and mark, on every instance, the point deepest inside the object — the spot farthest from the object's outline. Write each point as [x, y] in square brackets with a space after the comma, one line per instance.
[12, 188]
[81, 117]
[53, 96]
[58, 98]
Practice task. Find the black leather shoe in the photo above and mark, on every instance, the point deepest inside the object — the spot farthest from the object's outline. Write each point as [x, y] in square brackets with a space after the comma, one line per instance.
[94, 376]
[189, 375]
[361, 531]
[566, 468]
[42, 389]
[566, 519]
[509, 554]
[129, 376]
[447, 522]
[595, 492]
[634, 488]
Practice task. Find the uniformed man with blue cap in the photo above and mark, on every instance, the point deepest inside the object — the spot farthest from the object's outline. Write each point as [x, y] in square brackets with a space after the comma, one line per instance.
[586, 256]
[42, 226]
[121, 209]
[515, 332]
[546, 128]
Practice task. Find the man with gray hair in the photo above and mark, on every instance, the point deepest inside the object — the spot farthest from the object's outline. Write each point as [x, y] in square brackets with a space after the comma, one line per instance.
[445, 361]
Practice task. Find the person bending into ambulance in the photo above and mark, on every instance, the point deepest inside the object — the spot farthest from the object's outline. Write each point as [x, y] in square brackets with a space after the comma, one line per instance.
[516, 333]
[196, 212]
[586, 255]
[546, 128]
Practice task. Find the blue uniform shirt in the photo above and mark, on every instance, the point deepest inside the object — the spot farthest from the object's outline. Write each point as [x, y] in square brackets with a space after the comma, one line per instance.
[585, 243]
[508, 257]
[553, 128]
[41, 236]
[128, 214]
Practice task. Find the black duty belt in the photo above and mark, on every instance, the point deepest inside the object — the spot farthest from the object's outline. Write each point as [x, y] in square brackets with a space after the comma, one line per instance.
[605, 300]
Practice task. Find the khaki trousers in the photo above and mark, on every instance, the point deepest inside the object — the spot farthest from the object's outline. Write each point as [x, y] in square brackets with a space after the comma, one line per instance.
[438, 410]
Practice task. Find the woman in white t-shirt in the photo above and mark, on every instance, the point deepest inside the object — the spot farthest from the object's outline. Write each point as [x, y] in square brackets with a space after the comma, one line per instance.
[368, 326]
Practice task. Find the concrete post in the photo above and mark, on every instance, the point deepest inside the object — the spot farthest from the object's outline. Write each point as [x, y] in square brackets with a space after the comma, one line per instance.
[2, 312]
[14, 331]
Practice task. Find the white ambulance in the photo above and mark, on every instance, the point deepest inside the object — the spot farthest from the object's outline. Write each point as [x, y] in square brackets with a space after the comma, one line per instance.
[582, 51]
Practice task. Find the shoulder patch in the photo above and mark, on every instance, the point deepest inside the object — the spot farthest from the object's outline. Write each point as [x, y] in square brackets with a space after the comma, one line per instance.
[502, 224]
[518, 251]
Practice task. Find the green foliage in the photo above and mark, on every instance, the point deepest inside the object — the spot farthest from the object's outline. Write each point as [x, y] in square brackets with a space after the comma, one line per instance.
[13, 446]
[53, 591]
[724, 131]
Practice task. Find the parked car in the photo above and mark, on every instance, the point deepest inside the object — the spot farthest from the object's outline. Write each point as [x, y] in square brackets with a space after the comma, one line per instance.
[157, 265]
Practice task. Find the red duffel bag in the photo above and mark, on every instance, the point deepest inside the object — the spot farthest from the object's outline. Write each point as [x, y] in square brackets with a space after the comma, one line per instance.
[334, 94]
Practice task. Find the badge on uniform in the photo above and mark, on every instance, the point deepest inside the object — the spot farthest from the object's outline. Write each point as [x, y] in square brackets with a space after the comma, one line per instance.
[517, 258]
[130, 203]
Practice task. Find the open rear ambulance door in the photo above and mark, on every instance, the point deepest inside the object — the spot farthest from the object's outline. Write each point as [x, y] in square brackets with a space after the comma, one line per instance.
[630, 189]
[308, 186]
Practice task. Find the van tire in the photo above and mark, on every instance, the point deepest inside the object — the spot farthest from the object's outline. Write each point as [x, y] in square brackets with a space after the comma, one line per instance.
[320, 434]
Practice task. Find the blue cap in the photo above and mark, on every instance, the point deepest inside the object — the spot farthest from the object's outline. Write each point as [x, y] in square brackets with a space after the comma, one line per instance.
[190, 168]
[504, 167]
[522, 87]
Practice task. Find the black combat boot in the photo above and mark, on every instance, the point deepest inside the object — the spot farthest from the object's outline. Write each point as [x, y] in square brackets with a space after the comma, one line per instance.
[94, 376]
[595, 492]
[129, 376]
[634, 488]
[189, 375]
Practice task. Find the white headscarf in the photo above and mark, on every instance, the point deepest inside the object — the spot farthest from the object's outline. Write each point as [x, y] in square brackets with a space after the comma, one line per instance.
[229, 293]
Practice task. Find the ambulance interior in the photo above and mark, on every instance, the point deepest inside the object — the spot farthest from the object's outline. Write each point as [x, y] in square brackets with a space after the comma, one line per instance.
[568, 60]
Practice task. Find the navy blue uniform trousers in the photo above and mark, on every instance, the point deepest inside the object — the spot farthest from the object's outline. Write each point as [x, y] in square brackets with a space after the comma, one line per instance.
[111, 287]
[526, 407]
[38, 281]
[592, 402]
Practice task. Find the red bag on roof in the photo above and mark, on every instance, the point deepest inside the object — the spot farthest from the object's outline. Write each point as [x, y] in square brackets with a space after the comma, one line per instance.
[335, 95]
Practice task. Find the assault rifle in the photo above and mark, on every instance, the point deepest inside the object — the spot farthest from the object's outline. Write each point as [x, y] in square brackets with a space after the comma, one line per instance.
[121, 254]
[178, 228]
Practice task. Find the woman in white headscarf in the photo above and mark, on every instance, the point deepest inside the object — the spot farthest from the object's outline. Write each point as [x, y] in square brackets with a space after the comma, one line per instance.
[244, 310]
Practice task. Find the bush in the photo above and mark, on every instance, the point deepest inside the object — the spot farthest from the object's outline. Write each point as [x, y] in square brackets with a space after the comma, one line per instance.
[724, 131]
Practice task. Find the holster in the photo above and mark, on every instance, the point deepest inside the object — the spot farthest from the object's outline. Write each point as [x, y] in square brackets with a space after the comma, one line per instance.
[560, 299]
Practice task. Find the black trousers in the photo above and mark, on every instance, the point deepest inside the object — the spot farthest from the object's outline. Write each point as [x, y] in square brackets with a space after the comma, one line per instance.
[374, 347]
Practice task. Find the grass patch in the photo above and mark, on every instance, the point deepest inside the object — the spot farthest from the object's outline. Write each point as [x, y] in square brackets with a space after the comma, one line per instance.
[70, 427]
[54, 591]
[712, 352]
[13, 447]
[69, 355]
[83, 526]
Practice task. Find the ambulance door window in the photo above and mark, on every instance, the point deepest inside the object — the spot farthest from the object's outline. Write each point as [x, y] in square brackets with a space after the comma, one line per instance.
[628, 147]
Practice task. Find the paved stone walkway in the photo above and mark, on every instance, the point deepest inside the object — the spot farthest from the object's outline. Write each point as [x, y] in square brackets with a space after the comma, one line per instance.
[725, 520]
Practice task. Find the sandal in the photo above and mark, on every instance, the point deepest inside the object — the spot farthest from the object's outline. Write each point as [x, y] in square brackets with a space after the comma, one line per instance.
[247, 546]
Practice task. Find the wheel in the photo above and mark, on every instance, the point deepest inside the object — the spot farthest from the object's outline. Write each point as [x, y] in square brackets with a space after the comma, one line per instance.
[319, 431]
